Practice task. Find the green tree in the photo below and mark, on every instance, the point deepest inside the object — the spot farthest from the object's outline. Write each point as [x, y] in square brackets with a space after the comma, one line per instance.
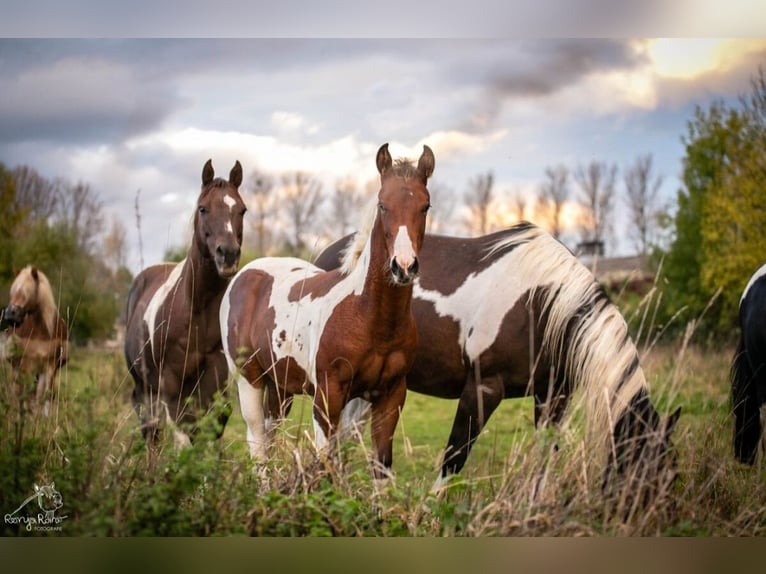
[718, 240]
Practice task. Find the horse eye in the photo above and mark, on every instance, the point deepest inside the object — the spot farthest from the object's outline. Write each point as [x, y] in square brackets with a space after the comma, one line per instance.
[382, 208]
[426, 208]
[202, 209]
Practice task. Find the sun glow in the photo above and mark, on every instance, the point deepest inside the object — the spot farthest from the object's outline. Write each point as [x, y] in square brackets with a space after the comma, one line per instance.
[684, 58]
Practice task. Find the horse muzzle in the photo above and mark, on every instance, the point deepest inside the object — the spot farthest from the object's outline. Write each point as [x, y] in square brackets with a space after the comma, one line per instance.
[227, 260]
[14, 315]
[405, 274]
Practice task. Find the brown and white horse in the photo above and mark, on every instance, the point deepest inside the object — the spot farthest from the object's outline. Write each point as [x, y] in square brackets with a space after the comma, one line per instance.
[513, 314]
[35, 339]
[340, 334]
[172, 337]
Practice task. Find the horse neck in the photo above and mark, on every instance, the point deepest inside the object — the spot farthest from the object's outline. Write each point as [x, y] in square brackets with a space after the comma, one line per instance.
[200, 278]
[387, 304]
[43, 319]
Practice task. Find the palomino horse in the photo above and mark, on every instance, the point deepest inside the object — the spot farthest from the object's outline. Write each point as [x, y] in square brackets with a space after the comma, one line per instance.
[514, 313]
[35, 338]
[340, 334]
[748, 369]
[172, 337]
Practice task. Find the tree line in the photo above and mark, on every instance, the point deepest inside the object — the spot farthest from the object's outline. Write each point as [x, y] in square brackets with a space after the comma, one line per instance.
[704, 247]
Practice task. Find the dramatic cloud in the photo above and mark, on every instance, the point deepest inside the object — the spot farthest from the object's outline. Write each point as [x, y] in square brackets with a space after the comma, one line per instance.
[130, 115]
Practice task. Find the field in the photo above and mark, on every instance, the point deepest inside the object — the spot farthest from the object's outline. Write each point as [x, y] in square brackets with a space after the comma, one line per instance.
[516, 482]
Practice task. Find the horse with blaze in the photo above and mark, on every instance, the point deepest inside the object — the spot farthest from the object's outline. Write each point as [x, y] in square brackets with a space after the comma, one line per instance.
[172, 337]
[34, 337]
[337, 335]
[512, 314]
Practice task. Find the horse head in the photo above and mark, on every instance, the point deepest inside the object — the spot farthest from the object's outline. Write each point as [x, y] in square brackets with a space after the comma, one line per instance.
[218, 221]
[403, 202]
[23, 297]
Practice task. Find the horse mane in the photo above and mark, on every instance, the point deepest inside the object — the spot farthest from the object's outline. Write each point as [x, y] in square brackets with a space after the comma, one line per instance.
[45, 299]
[402, 167]
[585, 334]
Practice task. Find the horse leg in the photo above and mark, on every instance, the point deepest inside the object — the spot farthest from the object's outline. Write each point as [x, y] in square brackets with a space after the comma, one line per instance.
[251, 402]
[385, 416]
[477, 403]
[550, 400]
[746, 406]
[173, 408]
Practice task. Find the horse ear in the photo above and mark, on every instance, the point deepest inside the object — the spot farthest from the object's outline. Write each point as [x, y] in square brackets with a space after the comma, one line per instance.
[383, 159]
[208, 173]
[33, 271]
[426, 164]
[235, 176]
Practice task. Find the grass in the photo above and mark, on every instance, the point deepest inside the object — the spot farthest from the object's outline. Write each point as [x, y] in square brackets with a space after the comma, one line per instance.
[515, 482]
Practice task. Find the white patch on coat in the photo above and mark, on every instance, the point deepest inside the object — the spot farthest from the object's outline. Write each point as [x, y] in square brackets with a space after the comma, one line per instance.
[230, 201]
[159, 297]
[757, 275]
[539, 262]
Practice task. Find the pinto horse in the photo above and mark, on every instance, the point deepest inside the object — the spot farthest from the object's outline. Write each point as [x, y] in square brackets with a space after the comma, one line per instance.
[339, 334]
[513, 314]
[748, 369]
[172, 337]
[34, 339]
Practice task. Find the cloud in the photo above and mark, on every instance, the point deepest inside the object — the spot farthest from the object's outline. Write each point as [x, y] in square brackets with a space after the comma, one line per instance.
[83, 100]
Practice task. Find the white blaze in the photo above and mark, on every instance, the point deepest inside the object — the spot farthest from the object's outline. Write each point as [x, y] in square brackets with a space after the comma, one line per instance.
[404, 253]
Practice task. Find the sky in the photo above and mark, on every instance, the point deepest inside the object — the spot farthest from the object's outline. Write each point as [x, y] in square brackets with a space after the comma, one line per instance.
[124, 115]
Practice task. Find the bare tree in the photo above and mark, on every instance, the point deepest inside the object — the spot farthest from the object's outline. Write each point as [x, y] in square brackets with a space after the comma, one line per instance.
[478, 199]
[301, 199]
[443, 201]
[519, 204]
[36, 195]
[554, 192]
[114, 250]
[80, 211]
[597, 183]
[347, 203]
[260, 187]
[641, 195]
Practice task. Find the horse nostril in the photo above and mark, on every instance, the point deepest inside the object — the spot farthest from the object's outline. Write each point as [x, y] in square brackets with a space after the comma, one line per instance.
[415, 267]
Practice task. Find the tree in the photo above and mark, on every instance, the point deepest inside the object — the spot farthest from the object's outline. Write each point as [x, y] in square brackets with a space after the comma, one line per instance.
[443, 201]
[346, 204]
[706, 152]
[300, 201]
[641, 189]
[519, 204]
[478, 199]
[554, 192]
[596, 182]
[719, 240]
[260, 186]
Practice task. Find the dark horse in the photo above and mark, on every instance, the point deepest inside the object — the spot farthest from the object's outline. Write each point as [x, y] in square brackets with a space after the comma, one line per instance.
[172, 338]
[512, 314]
[34, 337]
[748, 369]
[340, 334]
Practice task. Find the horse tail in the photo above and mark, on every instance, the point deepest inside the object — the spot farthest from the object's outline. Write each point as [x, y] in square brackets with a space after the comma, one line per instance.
[745, 405]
